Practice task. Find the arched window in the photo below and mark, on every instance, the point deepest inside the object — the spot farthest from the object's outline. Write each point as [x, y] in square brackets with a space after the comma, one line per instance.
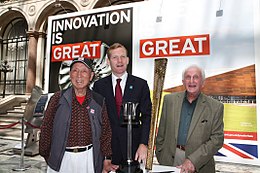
[14, 50]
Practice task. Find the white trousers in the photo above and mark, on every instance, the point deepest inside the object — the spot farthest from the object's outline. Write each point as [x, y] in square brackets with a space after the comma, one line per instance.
[81, 162]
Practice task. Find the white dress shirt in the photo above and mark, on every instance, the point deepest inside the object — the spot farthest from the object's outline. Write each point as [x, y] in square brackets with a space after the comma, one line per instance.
[122, 83]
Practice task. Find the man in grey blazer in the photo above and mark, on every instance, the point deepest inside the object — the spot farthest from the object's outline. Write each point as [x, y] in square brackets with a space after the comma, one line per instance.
[191, 126]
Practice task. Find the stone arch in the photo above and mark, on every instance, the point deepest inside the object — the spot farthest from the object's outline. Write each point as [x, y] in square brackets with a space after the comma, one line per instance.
[14, 24]
[9, 15]
[54, 8]
[40, 28]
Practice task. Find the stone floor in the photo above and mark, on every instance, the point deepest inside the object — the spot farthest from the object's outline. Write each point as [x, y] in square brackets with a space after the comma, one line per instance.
[11, 162]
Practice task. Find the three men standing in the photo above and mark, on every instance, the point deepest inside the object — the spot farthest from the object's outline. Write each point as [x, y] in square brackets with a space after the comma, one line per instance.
[191, 125]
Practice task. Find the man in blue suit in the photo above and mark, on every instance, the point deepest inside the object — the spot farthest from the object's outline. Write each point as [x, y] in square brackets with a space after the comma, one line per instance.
[134, 89]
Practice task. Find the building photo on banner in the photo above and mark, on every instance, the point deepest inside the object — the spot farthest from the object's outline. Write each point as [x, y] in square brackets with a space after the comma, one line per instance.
[221, 36]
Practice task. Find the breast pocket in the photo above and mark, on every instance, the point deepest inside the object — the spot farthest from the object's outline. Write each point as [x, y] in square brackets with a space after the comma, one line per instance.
[204, 128]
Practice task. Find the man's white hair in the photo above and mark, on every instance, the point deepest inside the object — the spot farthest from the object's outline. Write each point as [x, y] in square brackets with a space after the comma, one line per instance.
[194, 66]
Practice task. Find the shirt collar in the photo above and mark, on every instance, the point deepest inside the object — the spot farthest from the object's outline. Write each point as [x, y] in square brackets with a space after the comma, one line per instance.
[186, 99]
[123, 77]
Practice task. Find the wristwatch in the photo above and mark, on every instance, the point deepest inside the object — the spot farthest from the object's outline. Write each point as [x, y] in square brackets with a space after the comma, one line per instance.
[108, 158]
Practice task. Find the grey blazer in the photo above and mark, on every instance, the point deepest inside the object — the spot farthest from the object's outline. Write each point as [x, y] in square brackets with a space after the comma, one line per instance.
[205, 136]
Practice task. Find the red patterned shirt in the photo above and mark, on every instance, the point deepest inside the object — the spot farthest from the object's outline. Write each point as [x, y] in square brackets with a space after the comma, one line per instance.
[80, 128]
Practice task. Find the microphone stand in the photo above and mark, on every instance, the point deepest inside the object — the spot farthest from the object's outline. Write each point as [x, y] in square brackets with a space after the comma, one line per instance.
[130, 166]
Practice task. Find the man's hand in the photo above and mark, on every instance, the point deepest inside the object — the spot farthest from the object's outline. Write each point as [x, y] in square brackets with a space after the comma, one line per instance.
[187, 167]
[108, 166]
[141, 153]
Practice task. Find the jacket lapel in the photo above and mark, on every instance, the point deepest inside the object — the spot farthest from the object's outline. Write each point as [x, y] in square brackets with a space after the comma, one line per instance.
[110, 97]
[200, 106]
[128, 88]
[177, 111]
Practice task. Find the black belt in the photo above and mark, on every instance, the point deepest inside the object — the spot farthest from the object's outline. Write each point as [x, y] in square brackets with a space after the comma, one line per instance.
[77, 150]
[182, 147]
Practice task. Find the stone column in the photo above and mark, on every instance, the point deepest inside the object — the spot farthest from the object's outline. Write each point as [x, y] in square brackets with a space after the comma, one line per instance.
[40, 62]
[32, 54]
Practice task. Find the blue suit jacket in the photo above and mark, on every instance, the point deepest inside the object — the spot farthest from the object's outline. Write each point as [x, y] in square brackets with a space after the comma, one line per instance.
[137, 91]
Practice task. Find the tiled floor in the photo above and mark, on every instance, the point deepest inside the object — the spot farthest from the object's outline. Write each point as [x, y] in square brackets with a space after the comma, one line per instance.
[9, 162]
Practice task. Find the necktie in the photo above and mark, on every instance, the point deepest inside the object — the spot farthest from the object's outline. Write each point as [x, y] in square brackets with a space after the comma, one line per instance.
[118, 96]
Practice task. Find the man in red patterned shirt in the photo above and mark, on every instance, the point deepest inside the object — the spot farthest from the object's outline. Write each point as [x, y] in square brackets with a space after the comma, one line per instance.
[75, 132]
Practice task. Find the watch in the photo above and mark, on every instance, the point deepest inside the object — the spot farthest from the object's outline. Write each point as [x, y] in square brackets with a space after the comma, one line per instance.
[108, 158]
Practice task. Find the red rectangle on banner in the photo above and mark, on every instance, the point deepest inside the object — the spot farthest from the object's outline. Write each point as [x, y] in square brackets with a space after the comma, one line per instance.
[70, 51]
[175, 46]
[240, 135]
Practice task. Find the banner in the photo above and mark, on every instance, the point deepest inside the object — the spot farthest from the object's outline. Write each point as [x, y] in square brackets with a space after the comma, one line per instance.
[221, 36]
[84, 34]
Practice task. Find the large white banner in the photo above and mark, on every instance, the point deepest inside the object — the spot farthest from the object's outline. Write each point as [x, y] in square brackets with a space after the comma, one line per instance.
[220, 36]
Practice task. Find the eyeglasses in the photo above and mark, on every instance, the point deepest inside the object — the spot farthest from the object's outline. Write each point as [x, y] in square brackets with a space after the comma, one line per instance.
[194, 78]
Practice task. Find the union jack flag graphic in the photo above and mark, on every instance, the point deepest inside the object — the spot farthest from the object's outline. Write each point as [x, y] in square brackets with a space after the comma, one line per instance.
[239, 151]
